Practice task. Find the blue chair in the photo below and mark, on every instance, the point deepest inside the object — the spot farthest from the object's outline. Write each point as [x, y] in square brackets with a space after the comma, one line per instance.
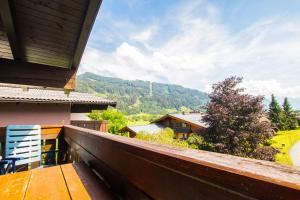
[22, 146]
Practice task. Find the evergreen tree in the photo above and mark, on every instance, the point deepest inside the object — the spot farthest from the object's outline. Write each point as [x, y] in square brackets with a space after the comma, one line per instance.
[276, 114]
[289, 116]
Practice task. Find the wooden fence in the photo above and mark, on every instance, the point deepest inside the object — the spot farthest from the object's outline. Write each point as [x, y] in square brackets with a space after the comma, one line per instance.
[101, 126]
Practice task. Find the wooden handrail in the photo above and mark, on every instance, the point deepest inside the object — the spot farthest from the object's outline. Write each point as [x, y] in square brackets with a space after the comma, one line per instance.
[164, 172]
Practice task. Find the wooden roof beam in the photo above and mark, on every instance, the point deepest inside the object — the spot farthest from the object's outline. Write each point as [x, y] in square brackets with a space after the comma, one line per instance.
[9, 26]
[87, 25]
[18, 72]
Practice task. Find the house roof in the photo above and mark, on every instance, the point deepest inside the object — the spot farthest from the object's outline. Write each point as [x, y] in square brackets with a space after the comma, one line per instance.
[150, 128]
[32, 95]
[42, 42]
[193, 118]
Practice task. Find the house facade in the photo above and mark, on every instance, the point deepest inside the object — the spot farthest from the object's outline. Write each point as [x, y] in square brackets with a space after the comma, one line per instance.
[43, 106]
[182, 125]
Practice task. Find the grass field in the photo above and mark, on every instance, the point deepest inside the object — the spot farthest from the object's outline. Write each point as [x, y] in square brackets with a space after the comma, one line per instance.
[284, 140]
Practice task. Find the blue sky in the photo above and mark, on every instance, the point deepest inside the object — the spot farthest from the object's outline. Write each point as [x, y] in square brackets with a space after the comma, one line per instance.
[195, 43]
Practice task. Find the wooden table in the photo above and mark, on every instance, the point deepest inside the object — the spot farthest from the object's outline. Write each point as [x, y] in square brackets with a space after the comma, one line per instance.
[69, 181]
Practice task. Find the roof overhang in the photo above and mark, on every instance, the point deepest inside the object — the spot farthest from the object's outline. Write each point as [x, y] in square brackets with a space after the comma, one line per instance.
[42, 41]
[178, 119]
[86, 108]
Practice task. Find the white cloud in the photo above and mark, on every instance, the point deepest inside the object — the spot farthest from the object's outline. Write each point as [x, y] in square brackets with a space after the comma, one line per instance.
[195, 50]
[268, 87]
[145, 35]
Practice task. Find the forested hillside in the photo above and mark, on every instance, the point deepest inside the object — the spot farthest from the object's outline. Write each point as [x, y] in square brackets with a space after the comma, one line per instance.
[142, 96]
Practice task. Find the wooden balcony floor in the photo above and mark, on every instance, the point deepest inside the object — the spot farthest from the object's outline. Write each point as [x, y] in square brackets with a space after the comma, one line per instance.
[69, 181]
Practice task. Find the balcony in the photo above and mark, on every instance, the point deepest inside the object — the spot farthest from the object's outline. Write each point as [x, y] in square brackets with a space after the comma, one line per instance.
[134, 169]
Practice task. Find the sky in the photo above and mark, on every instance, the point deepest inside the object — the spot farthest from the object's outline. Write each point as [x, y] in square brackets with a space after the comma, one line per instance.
[195, 43]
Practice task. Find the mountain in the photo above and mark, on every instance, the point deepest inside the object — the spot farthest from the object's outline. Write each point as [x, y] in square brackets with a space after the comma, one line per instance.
[142, 96]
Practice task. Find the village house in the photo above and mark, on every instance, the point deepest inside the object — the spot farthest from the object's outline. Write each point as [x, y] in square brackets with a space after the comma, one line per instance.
[23, 105]
[182, 124]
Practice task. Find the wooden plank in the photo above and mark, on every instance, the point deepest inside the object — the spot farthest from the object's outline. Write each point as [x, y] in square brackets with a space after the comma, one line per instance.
[71, 84]
[74, 184]
[53, 45]
[33, 48]
[13, 186]
[33, 58]
[2, 141]
[6, 55]
[50, 136]
[47, 56]
[34, 155]
[48, 19]
[5, 51]
[42, 33]
[86, 28]
[80, 178]
[35, 74]
[8, 22]
[165, 172]
[4, 46]
[70, 4]
[47, 183]
[46, 10]
[29, 160]
[59, 5]
[24, 144]
[20, 150]
[49, 132]
[51, 28]
[22, 138]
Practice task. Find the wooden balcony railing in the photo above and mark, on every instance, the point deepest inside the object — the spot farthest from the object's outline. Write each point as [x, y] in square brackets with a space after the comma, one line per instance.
[140, 170]
[137, 169]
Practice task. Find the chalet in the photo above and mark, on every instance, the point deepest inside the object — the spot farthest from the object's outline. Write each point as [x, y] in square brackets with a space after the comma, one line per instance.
[149, 129]
[32, 105]
[182, 125]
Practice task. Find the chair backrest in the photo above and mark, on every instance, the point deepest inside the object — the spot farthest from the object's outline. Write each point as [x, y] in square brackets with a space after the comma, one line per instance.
[23, 141]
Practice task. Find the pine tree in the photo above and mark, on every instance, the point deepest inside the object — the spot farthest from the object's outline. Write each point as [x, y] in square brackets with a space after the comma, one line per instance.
[276, 114]
[289, 116]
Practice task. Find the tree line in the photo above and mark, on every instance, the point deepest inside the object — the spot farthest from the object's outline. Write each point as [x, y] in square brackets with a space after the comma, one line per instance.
[240, 125]
[283, 117]
[137, 96]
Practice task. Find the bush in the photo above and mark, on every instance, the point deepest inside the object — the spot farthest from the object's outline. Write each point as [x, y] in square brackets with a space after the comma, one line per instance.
[284, 140]
[125, 134]
[163, 137]
[265, 153]
[195, 141]
[115, 118]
